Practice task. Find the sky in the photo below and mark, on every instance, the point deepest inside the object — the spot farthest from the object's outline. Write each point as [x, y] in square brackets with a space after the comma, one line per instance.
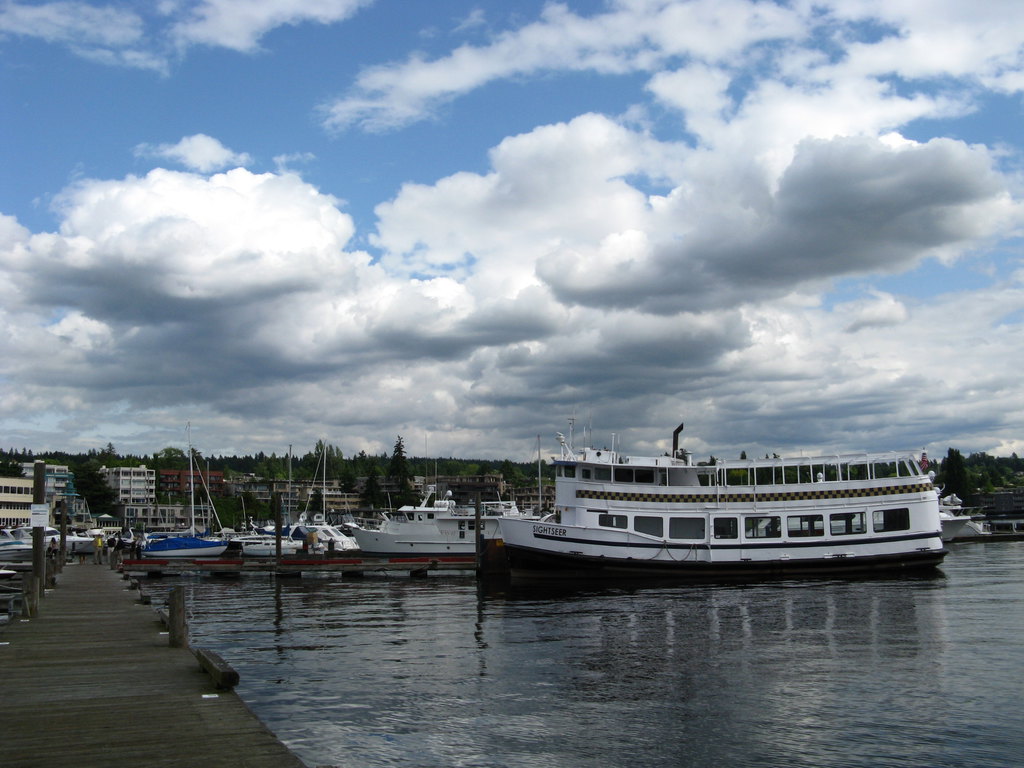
[794, 227]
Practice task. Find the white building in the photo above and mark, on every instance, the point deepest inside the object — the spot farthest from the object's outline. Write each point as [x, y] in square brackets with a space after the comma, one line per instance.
[15, 501]
[132, 485]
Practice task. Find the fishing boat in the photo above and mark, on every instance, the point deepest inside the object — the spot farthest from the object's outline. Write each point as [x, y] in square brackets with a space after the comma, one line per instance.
[436, 527]
[665, 516]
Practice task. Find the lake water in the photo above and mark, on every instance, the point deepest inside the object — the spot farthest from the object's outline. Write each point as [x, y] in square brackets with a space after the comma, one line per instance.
[440, 672]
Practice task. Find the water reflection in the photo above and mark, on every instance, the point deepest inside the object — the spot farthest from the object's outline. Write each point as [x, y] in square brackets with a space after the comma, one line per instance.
[387, 672]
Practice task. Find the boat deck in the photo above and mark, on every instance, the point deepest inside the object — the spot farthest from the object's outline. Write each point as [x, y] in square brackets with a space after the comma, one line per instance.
[93, 681]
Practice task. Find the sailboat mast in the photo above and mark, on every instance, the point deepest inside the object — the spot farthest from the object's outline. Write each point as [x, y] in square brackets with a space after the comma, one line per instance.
[191, 482]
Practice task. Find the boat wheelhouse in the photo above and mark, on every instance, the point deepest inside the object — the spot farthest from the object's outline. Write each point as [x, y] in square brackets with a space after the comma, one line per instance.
[665, 516]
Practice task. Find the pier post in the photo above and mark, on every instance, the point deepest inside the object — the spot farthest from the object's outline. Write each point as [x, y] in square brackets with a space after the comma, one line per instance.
[30, 590]
[177, 629]
[478, 534]
[38, 533]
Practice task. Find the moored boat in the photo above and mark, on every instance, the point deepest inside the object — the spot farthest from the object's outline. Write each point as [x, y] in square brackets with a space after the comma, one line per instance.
[13, 549]
[955, 524]
[183, 546]
[664, 516]
[436, 527]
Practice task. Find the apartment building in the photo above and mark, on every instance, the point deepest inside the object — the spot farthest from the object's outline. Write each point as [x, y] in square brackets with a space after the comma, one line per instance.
[132, 485]
[15, 501]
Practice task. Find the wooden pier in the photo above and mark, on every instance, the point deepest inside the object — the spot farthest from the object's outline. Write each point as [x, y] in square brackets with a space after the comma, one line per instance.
[93, 681]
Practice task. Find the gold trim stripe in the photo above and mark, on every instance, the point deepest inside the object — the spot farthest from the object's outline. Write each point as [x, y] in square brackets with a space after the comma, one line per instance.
[750, 498]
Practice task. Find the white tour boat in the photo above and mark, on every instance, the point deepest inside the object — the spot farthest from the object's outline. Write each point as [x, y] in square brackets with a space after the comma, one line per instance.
[665, 516]
[436, 529]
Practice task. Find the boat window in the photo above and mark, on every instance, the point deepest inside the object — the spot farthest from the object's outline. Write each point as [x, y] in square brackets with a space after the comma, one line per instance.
[891, 520]
[612, 521]
[686, 528]
[585, 473]
[805, 525]
[623, 474]
[643, 475]
[652, 526]
[847, 523]
[737, 477]
[567, 471]
[725, 528]
[857, 472]
[603, 473]
[887, 469]
[762, 527]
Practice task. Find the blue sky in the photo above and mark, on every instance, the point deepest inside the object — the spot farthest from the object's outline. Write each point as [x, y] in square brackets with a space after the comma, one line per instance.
[795, 226]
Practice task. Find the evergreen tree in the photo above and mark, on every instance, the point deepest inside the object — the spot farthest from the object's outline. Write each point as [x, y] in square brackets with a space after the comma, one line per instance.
[954, 475]
[400, 474]
[92, 486]
[10, 469]
[371, 496]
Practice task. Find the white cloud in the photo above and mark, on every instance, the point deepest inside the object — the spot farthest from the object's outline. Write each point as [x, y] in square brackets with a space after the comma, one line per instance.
[77, 23]
[883, 310]
[198, 152]
[240, 24]
[647, 275]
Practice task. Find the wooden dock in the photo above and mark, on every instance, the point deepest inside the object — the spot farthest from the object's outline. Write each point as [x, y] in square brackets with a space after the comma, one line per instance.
[93, 681]
[360, 565]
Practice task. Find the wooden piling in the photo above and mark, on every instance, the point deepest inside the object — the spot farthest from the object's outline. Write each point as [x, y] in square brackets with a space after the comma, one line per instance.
[177, 628]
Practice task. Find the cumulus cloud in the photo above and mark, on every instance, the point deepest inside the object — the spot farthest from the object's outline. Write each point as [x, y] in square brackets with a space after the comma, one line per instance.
[646, 273]
[198, 152]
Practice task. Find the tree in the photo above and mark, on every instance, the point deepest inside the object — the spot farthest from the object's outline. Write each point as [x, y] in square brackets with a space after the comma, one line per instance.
[400, 475]
[954, 475]
[93, 487]
[371, 496]
[10, 468]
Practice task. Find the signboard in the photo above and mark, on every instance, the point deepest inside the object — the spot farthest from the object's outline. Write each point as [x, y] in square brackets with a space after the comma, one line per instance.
[40, 515]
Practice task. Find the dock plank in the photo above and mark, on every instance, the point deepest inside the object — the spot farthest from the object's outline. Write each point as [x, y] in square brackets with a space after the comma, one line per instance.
[92, 682]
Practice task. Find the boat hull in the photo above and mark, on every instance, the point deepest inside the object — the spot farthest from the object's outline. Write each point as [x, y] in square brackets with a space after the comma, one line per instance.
[382, 544]
[531, 565]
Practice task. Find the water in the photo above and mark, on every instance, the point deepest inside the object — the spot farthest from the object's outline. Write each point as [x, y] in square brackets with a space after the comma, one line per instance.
[400, 672]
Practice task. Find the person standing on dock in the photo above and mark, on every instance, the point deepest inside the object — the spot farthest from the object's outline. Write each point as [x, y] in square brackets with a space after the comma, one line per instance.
[97, 544]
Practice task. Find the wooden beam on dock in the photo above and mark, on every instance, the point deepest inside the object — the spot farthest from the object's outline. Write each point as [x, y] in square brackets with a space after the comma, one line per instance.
[292, 565]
